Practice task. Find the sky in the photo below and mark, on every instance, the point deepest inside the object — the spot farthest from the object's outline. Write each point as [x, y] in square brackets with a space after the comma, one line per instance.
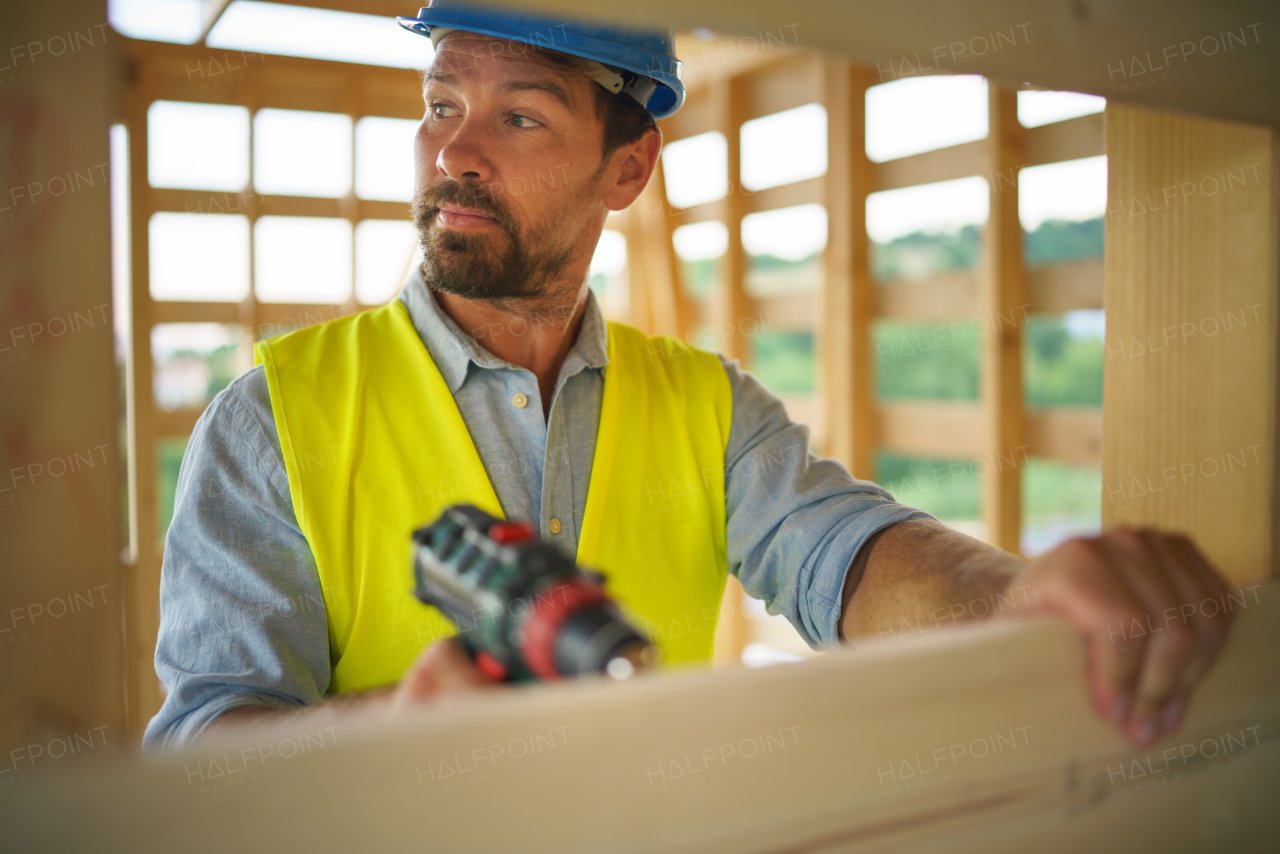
[207, 147]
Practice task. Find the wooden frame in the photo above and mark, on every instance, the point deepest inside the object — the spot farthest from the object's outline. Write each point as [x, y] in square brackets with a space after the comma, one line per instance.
[854, 423]
[847, 420]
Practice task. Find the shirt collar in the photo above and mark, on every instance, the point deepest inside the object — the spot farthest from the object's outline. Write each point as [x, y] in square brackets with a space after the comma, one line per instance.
[454, 351]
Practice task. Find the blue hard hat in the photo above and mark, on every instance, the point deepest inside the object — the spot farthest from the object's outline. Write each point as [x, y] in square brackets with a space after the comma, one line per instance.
[646, 57]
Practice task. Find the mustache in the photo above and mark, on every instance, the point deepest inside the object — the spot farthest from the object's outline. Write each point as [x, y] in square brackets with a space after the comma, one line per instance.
[427, 203]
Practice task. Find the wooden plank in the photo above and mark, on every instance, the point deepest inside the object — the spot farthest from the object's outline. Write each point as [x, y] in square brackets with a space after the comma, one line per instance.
[250, 204]
[214, 75]
[639, 305]
[141, 611]
[1066, 434]
[1071, 139]
[950, 430]
[298, 206]
[732, 302]
[1190, 435]
[808, 191]
[1067, 286]
[693, 118]
[783, 85]
[1003, 301]
[670, 315]
[993, 720]
[1193, 56]
[195, 312]
[937, 429]
[941, 164]
[1051, 289]
[707, 56]
[175, 424]
[849, 294]
[794, 312]
[944, 297]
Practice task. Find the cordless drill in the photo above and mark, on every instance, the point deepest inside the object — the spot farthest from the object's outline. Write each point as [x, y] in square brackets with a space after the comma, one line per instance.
[523, 608]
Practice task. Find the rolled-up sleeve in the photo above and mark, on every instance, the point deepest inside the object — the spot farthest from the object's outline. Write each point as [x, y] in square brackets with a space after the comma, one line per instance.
[242, 615]
[795, 521]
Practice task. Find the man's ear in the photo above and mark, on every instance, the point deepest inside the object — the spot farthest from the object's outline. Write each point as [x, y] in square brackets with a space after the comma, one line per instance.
[633, 165]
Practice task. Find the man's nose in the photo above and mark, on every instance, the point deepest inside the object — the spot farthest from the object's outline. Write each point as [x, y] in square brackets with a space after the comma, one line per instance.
[462, 156]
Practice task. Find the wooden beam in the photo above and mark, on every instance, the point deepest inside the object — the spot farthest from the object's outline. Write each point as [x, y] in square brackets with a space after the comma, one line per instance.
[1071, 139]
[175, 424]
[937, 429]
[971, 739]
[792, 82]
[849, 295]
[1066, 140]
[1003, 303]
[141, 611]
[1051, 289]
[941, 164]
[661, 267]
[729, 98]
[218, 76]
[693, 118]
[955, 430]
[712, 56]
[1190, 386]
[948, 296]
[1066, 434]
[195, 312]
[808, 191]
[1066, 286]
[1193, 56]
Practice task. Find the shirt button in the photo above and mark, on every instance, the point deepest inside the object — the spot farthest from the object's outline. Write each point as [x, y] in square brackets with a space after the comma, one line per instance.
[554, 526]
[520, 401]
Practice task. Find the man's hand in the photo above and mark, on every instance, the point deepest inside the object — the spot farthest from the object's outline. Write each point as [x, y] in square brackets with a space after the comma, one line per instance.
[443, 668]
[1137, 595]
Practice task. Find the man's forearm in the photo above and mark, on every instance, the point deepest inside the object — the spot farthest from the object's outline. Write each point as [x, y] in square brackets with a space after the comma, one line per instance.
[443, 670]
[328, 712]
[922, 574]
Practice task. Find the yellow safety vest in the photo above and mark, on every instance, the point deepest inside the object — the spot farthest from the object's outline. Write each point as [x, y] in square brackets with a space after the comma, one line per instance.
[375, 447]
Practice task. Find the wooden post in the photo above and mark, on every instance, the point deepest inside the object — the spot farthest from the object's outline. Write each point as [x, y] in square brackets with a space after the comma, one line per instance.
[849, 297]
[142, 612]
[1003, 304]
[1189, 398]
[733, 304]
[667, 313]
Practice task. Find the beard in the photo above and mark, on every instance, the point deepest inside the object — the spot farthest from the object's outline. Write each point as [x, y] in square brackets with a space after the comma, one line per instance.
[519, 273]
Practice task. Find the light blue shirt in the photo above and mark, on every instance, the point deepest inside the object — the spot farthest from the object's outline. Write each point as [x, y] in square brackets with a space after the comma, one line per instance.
[242, 614]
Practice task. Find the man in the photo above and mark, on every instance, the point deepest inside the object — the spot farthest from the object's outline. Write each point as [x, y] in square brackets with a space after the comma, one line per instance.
[493, 379]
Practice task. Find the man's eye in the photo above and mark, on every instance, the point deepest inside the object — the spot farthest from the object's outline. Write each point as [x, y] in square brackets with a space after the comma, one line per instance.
[443, 111]
[524, 122]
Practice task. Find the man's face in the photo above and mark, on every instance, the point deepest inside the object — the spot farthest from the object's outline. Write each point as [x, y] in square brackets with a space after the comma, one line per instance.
[508, 201]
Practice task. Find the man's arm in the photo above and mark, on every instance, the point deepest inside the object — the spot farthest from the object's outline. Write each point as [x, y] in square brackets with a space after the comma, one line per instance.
[442, 670]
[924, 574]
[243, 632]
[242, 613]
[794, 521]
